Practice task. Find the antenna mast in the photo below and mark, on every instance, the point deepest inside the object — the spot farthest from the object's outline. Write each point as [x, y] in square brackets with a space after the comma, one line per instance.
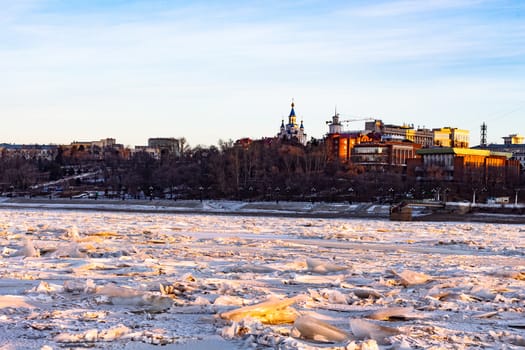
[483, 138]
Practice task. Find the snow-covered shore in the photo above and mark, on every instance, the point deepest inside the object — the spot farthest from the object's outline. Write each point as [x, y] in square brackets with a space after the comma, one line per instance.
[127, 280]
[480, 213]
[222, 207]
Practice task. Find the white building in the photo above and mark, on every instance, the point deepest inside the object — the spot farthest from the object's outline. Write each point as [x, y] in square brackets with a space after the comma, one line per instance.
[292, 131]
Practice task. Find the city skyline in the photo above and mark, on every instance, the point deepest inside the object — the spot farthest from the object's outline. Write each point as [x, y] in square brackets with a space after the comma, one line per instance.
[208, 71]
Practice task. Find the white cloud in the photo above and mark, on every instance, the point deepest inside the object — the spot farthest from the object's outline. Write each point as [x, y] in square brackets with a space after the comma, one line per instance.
[410, 7]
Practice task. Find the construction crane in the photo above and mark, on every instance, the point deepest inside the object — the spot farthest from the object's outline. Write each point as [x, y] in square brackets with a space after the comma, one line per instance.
[335, 124]
[334, 121]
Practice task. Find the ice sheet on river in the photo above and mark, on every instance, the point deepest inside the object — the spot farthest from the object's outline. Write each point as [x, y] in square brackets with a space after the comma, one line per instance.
[134, 280]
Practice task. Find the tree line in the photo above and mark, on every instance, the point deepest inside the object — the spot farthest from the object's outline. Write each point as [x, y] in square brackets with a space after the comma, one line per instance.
[266, 169]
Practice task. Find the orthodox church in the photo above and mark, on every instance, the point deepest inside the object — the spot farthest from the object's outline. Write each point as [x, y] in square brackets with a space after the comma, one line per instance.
[292, 130]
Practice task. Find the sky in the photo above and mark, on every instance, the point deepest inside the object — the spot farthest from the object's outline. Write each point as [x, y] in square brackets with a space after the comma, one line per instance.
[74, 70]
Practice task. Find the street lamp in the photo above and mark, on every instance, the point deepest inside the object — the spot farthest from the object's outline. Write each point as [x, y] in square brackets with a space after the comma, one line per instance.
[380, 198]
[312, 191]
[350, 195]
[391, 192]
[436, 192]
[333, 193]
[516, 196]
[474, 190]
[250, 189]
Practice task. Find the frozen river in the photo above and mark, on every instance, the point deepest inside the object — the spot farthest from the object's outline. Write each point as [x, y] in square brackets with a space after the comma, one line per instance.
[134, 280]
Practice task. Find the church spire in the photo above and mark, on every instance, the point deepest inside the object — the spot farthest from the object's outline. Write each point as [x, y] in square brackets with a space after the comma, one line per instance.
[291, 117]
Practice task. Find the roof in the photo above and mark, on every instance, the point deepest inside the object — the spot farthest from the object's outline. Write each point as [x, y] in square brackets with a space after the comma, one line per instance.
[26, 147]
[463, 152]
[503, 147]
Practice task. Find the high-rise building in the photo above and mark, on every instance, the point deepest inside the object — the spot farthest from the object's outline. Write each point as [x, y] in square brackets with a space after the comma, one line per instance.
[451, 137]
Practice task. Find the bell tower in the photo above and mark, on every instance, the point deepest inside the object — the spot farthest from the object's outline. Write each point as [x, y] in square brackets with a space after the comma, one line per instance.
[292, 120]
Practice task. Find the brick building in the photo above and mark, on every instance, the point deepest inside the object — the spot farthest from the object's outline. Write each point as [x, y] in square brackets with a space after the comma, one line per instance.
[464, 165]
[512, 144]
[389, 153]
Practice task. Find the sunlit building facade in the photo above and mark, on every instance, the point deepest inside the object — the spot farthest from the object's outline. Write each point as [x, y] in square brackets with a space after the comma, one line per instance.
[451, 137]
[464, 165]
[383, 153]
[512, 144]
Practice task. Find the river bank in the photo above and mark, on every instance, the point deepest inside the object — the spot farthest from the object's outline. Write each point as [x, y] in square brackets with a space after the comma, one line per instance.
[220, 207]
[449, 213]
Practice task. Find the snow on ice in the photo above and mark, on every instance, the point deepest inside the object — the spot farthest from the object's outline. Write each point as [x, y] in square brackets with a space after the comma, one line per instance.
[115, 280]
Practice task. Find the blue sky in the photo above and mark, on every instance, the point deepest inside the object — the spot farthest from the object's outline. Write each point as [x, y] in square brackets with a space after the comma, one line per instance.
[210, 70]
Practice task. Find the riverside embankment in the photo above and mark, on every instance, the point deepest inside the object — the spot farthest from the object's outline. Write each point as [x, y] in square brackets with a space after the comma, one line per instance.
[460, 212]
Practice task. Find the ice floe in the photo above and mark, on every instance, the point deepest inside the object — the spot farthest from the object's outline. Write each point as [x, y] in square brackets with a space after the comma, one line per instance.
[108, 280]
